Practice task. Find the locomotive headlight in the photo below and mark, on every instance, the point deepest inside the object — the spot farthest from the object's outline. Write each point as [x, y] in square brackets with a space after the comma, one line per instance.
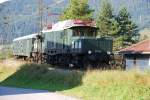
[89, 52]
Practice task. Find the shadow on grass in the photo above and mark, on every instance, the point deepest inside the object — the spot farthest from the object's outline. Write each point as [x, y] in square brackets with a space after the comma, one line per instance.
[44, 77]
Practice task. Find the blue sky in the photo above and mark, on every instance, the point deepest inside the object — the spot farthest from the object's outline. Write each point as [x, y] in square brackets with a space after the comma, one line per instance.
[1, 1]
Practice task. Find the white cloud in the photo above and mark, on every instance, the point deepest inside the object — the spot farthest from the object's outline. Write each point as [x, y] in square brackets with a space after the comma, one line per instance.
[1, 1]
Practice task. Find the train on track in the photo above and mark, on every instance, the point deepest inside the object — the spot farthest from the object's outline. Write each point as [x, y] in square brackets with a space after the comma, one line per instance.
[67, 43]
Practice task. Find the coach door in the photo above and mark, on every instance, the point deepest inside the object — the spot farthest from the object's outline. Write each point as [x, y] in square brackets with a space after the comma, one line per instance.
[35, 46]
[28, 48]
[65, 40]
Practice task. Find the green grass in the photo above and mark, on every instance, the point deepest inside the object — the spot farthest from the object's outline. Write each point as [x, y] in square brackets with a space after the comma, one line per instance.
[113, 85]
[43, 77]
[87, 85]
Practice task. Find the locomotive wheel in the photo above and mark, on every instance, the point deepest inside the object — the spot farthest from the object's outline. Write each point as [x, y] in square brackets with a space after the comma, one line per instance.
[86, 63]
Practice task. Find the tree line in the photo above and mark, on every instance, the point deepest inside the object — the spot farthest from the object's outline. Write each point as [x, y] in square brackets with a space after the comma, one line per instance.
[118, 26]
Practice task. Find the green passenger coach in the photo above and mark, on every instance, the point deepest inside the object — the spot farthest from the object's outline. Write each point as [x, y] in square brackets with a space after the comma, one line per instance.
[23, 46]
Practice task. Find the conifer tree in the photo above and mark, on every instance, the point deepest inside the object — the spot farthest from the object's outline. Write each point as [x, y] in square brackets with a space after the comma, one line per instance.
[128, 29]
[78, 9]
[106, 22]
[120, 27]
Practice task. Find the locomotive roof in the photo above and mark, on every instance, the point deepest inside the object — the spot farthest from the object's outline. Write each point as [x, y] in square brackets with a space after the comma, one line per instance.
[26, 37]
[61, 25]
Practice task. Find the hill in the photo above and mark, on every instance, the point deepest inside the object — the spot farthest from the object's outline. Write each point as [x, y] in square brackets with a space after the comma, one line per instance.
[20, 17]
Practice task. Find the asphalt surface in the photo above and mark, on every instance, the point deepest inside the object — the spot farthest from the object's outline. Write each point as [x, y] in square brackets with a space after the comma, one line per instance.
[8, 93]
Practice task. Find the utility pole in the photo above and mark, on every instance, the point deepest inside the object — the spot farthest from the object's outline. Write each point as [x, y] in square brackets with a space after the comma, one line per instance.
[41, 9]
[39, 37]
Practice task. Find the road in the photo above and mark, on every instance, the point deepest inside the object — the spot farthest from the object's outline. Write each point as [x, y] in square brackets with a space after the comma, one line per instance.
[8, 93]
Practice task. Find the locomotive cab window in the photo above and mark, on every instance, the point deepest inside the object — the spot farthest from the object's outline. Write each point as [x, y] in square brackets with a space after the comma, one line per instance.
[84, 31]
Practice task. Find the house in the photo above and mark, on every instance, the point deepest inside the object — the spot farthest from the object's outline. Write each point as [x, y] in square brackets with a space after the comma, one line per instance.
[137, 55]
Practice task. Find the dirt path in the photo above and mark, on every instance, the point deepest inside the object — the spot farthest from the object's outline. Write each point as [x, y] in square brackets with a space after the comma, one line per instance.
[12, 63]
[8, 93]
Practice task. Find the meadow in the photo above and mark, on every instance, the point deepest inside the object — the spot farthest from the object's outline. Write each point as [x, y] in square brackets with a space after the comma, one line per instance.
[87, 85]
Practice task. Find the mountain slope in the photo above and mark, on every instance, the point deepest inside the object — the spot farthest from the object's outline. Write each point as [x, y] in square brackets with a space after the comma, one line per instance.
[21, 17]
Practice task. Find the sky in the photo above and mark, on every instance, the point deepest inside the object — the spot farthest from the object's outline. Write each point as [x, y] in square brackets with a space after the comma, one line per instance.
[1, 1]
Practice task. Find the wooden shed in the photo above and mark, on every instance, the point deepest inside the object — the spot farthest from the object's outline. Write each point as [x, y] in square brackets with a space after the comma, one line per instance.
[137, 55]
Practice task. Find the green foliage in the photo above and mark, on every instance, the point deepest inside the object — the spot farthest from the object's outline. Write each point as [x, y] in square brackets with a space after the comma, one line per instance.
[118, 43]
[78, 9]
[128, 27]
[120, 27]
[104, 20]
[115, 28]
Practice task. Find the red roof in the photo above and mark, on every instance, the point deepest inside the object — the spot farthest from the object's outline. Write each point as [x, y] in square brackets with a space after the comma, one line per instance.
[141, 47]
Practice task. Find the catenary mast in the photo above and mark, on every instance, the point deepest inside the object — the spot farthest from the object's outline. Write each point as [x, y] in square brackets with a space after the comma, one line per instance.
[39, 37]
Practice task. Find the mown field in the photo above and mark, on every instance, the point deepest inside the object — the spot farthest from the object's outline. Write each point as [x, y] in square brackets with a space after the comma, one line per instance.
[87, 85]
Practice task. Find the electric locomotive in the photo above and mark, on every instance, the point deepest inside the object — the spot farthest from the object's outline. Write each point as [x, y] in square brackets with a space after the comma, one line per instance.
[69, 43]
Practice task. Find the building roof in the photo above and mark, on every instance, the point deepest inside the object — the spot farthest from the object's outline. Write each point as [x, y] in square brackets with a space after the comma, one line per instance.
[142, 47]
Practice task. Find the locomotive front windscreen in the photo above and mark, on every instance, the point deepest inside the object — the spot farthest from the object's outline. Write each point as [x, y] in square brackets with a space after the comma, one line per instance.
[84, 31]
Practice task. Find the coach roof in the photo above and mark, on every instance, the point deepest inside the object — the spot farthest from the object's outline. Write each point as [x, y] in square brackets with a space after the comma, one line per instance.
[26, 37]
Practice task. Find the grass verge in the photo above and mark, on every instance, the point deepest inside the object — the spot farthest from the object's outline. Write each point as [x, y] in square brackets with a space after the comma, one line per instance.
[113, 85]
[89, 85]
[43, 77]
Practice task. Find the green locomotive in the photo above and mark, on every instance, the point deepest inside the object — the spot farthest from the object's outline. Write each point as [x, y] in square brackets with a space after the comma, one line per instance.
[70, 42]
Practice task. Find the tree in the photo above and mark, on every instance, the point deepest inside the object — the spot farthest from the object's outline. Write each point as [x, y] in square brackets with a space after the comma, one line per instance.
[128, 29]
[78, 9]
[106, 22]
[120, 27]
[127, 33]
